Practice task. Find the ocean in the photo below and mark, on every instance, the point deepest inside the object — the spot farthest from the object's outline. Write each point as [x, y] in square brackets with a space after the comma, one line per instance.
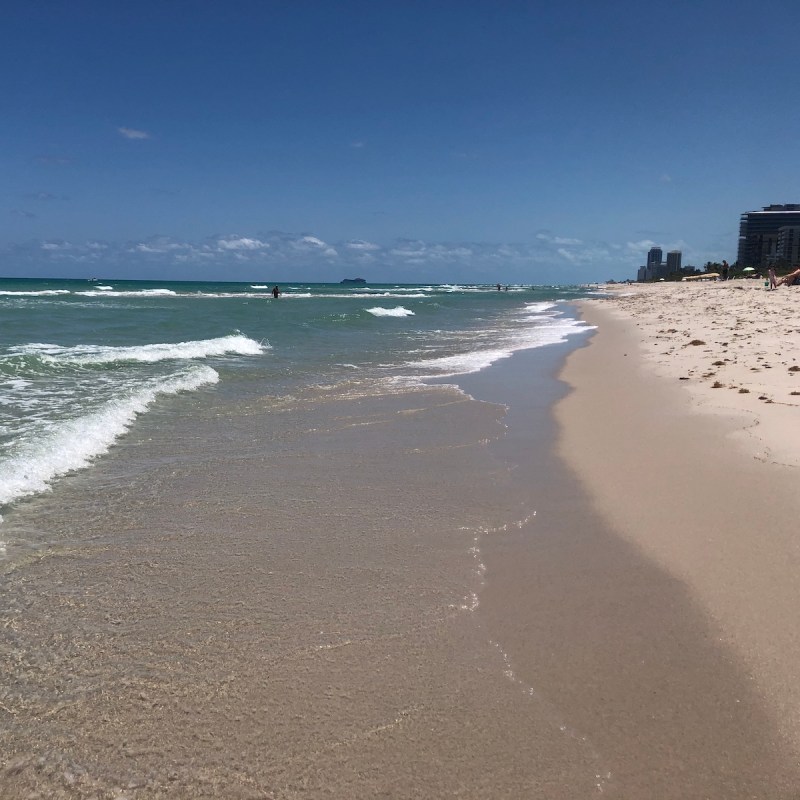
[82, 362]
[258, 547]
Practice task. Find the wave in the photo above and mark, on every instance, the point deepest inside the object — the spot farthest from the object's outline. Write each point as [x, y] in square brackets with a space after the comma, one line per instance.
[540, 307]
[73, 444]
[41, 293]
[397, 311]
[235, 344]
[549, 331]
[103, 292]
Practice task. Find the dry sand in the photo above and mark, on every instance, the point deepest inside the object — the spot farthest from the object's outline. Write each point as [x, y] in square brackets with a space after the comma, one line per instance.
[683, 427]
[735, 346]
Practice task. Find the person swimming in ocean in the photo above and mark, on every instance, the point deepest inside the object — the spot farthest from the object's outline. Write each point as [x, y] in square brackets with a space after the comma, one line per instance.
[275, 292]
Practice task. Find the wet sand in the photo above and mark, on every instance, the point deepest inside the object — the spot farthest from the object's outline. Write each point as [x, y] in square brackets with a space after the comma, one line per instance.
[611, 639]
[683, 495]
[398, 596]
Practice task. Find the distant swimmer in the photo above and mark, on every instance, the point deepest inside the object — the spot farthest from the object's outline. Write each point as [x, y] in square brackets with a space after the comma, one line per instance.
[498, 287]
[275, 291]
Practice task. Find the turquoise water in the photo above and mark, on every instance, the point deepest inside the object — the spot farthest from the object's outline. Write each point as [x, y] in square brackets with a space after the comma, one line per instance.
[81, 361]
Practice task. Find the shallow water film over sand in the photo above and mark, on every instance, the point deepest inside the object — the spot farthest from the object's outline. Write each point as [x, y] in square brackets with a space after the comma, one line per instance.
[272, 593]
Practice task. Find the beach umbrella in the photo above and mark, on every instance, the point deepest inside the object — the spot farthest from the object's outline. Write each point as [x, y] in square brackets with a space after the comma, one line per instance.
[749, 269]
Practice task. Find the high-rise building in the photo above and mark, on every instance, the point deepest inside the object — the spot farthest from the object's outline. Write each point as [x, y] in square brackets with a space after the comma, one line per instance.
[654, 268]
[789, 245]
[759, 233]
[654, 257]
[673, 261]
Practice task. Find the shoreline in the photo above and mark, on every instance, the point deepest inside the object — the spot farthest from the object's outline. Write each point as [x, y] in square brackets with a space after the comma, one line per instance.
[404, 595]
[283, 605]
[693, 484]
[612, 644]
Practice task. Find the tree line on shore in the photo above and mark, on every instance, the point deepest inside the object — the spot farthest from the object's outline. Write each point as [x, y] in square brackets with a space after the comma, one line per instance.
[734, 270]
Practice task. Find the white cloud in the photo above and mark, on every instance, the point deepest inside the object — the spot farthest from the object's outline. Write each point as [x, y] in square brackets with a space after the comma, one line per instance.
[409, 250]
[357, 145]
[133, 133]
[241, 243]
[665, 178]
[160, 246]
[313, 242]
[361, 245]
[562, 240]
[641, 246]
[547, 258]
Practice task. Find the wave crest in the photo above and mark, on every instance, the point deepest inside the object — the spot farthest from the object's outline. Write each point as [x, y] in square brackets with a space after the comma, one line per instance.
[73, 444]
[397, 311]
[235, 344]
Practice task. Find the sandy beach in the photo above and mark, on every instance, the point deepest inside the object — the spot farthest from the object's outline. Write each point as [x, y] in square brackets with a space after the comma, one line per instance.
[683, 428]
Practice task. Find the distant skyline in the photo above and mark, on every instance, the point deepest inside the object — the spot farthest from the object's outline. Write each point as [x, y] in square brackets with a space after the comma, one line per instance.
[519, 142]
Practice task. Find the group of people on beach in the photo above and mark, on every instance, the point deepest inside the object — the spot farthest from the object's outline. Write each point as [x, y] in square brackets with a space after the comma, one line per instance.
[791, 279]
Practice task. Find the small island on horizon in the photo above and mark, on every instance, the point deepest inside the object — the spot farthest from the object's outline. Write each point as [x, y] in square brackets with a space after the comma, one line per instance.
[353, 280]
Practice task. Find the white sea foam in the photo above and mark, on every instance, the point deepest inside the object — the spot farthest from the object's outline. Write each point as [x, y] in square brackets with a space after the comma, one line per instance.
[16, 383]
[547, 331]
[235, 344]
[105, 288]
[69, 445]
[102, 292]
[397, 311]
[540, 307]
[42, 293]
[258, 286]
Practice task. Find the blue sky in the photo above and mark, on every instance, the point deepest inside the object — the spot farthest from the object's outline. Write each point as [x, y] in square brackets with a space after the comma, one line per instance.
[491, 141]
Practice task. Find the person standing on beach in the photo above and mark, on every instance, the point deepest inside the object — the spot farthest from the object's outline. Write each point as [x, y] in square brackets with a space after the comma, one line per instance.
[773, 279]
[725, 269]
[275, 292]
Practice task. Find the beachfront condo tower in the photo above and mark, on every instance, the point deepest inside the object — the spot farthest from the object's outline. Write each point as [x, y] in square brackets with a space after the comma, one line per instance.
[760, 240]
[673, 261]
[654, 269]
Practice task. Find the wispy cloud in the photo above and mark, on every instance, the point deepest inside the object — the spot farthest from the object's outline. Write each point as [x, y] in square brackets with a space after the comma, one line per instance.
[241, 243]
[133, 133]
[665, 178]
[548, 258]
[641, 246]
[20, 212]
[358, 144]
[546, 236]
[44, 197]
[361, 246]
